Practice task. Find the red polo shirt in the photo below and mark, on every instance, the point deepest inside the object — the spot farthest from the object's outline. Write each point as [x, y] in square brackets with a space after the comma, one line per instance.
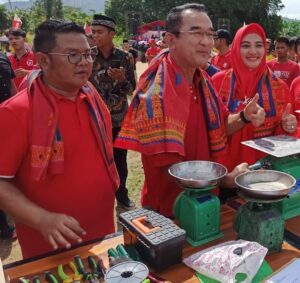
[84, 191]
[27, 61]
[295, 96]
[222, 61]
[286, 71]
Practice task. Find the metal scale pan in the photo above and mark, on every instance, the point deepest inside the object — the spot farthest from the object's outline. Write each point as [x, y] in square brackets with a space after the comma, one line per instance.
[257, 220]
[265, 184]
[196, 178]
[197, 174]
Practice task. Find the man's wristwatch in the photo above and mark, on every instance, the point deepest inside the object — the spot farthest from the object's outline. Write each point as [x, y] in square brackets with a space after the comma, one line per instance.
[243, 118]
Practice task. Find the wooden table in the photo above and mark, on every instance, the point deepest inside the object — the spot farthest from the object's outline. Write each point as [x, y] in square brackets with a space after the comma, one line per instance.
[177, 273]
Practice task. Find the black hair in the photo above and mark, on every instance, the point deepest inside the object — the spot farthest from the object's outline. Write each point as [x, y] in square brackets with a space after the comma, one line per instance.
[16, 32]
[292, 42]
[174, 18]
[125, 41]
[283, 39]
[45, 33]
[297, 43]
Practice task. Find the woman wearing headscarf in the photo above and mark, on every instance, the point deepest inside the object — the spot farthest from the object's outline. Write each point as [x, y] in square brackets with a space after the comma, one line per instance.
[250, 77]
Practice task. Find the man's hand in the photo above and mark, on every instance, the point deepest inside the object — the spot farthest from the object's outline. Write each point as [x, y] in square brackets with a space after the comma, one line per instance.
[117, 73]
[255, 113]
[59, 229]
[288, 120]
[228, 180]
[21, 72]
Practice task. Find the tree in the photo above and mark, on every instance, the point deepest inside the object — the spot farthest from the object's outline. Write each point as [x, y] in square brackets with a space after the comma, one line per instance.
[237, 11]
[49, 8]
[4, 21]
[291, 28]
[75, 14]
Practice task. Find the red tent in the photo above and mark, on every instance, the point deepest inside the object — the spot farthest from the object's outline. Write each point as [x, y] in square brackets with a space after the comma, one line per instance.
[156, 25]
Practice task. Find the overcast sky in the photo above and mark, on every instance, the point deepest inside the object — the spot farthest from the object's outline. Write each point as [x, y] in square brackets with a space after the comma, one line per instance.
[291, 10]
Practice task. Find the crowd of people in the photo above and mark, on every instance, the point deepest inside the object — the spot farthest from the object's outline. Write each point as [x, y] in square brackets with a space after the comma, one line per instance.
[66, 124]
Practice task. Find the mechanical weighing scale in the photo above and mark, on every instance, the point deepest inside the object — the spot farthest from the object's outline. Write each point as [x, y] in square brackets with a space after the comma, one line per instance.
[283, 155]
[258, 220]
[289, 207]
[197, 209]
[275, 196]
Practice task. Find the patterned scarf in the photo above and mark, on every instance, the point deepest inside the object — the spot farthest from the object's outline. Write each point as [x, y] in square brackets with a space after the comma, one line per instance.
[47, 149]
[271, 98]
[157, 117]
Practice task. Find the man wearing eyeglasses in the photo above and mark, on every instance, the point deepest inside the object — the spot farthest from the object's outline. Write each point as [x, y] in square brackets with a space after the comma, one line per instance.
[176, 114]
[113, 77]
[58, 176]
[222, 40]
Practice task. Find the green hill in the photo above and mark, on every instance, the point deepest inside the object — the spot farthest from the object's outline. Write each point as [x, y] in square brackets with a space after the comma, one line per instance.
[88, 6]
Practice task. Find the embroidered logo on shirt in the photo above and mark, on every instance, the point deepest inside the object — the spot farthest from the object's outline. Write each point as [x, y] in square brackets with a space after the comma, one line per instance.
[29, 62]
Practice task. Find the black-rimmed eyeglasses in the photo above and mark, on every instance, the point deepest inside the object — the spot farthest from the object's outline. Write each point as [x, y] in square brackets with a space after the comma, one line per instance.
[76, 57]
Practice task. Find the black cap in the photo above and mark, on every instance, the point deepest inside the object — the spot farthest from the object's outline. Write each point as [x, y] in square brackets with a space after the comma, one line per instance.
[223, 33]
[101, 20]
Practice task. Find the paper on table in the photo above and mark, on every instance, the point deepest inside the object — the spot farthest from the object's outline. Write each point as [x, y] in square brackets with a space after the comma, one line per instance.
[289, 273]
[278, 146]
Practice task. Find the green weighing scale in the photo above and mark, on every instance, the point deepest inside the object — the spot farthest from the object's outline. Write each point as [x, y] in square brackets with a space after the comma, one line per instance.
[258, 220]
[271, 196]
[284, 156]
[289, 207]
[196, 208]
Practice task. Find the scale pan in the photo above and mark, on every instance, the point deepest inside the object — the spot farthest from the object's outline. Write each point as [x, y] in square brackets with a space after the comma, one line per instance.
[197, 174]
[265, 184]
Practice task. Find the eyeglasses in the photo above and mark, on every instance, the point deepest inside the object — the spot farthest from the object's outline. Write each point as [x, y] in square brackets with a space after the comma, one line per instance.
[76, 57]
[198, 34]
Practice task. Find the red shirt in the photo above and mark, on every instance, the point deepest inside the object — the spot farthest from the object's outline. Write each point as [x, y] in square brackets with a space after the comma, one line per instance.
[159, 190]
[286, 71]
[84, 191]
[27, 61]
[222, 61]
[295, 96]
[152, 52]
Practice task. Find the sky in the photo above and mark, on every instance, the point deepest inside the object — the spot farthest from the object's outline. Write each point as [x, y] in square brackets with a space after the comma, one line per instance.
[291, 10]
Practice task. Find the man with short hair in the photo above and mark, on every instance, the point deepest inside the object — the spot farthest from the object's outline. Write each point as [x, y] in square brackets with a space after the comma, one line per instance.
[59, 183]
[176, 114]
[22, 59]
[282, 67]
[113, 77]
[127, 47]
[134, 55]
[291, 51]
[222, 41]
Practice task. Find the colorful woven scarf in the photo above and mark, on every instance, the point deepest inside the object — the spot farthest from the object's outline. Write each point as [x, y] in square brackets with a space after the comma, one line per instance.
[47, 150]
[157, 117]
[271, 98]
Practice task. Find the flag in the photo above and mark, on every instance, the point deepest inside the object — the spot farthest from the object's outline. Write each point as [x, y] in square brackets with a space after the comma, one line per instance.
[87, 28]
[16, 23]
